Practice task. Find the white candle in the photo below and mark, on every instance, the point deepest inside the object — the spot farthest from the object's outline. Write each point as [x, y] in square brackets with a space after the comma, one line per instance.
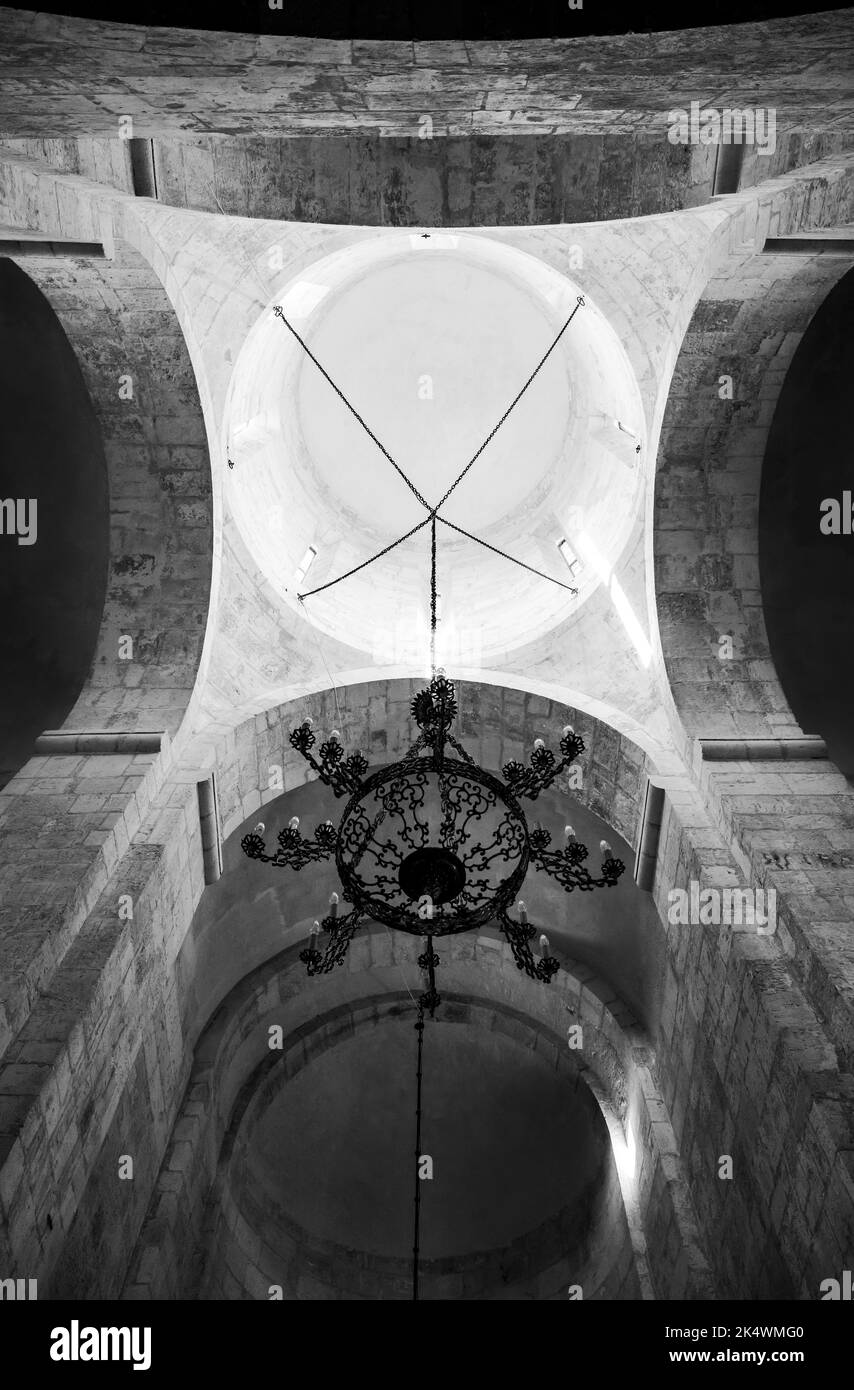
[544, 945]
[314, 932]
[333, 905]
[606, 849]
[568, 834]
[335, 736]
[293, 823]
[538, 743]
[568, 730]
[260, 828]
[523, 912]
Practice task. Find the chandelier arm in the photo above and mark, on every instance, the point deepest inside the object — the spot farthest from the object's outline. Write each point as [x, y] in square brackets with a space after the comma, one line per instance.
[535, 780]
[544, 769]
[294, 852]
[458, 749]
[405, 881]
[546, 355]
[343, 775]
[572, 874]
[519, 934]
[341, 932]
[280, 313]
[504, 556]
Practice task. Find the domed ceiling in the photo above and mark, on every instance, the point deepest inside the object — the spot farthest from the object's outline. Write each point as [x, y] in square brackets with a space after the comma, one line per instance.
[431, 338]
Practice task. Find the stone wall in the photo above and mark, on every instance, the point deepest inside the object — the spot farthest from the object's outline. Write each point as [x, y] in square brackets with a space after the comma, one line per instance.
[433, 134]
[94, 1072]
[745, 331]
[495, 724]
[91, 1056]
[749, 1054]
[97, 72]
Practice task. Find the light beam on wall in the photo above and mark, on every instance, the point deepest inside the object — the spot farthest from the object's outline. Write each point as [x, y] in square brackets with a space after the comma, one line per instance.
[625, 1157]
[593, 556]
[638, 637]
[254, 434]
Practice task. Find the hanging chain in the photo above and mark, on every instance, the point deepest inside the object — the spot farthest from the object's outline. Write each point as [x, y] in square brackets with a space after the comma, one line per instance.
[380, 553]
[279, 311]
[417, 1233]
[516, 399]
[494, 548]
[432, 511]
[433, 595]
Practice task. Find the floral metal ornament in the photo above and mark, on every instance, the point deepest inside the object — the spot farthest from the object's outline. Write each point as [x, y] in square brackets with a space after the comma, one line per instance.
[433, 845]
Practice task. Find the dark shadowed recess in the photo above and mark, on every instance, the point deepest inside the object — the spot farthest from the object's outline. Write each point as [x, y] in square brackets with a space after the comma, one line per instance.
[512, 1141]
[430, 19]
[808, 577]
[51, 592]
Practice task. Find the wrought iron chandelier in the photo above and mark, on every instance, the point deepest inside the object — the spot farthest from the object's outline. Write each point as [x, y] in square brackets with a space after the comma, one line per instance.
[432, 845]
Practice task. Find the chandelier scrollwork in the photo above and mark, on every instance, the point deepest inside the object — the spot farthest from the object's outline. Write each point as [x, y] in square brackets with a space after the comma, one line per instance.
[433, 845]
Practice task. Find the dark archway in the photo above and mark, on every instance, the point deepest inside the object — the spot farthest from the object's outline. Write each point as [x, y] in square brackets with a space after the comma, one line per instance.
[131, 355]
[54, 550]
[734, 359]
[807, 574]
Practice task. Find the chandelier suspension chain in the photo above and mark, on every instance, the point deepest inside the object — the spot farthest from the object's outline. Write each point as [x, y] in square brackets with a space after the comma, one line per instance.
[380, 553]
[419, 1027]
[432, 511]
[511, 406]
[439, 873]
[505, 556]
[433, 595]
[278, 310]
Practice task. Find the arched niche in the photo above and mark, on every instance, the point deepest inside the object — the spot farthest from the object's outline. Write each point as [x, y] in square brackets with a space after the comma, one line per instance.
[806, 549]
[133, 360]
[54, 546]
[275, 1019]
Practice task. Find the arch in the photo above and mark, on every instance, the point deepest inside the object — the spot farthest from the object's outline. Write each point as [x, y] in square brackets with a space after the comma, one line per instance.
[587, 1243]
[616, 1060]
[805, 558]
[136, 368]
[725, 386]
[497, 723]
